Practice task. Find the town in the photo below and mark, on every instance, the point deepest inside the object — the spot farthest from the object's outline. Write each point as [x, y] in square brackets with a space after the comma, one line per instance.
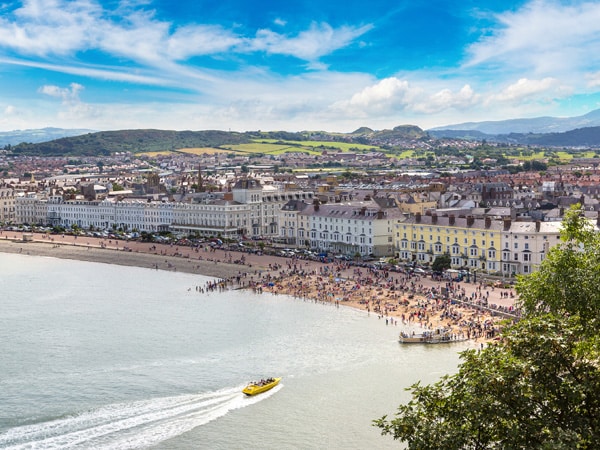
[489, 222]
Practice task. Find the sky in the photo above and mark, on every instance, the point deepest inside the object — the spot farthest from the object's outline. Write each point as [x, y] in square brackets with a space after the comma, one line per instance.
[294, 65]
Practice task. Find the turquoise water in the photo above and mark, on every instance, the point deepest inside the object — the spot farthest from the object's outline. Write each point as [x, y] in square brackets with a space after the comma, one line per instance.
[101, 356]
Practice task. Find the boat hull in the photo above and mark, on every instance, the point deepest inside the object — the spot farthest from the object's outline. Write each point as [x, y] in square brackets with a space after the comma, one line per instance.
[440, 336]
[257, 388]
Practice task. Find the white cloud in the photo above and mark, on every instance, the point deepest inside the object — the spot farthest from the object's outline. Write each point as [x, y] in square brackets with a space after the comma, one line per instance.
[200, 40]
[67, 95]
[319, 40]
[382, 97]
[50, 27]
[447, 99]
[58, 27]
[393, 95]
[72, 107]
[544, 37]
[593, 79]
[102, 73]
[526, 90]
[9, 110]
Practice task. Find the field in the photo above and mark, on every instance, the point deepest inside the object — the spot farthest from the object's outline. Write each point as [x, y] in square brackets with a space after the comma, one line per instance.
[155, 154]
[326, 145]
[563, 156]
[202, 151]
[266, 148]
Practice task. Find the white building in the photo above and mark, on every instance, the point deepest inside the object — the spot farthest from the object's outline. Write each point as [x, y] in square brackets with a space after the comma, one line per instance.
[293, 226]
[526, 244]
[352, 228]
[248, 210]
[7, 205]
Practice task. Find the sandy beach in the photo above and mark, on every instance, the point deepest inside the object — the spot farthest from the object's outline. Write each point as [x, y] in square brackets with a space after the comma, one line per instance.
[401, 300]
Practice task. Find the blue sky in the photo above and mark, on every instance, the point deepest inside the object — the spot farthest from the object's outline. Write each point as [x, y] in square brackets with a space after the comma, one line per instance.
[294, 65]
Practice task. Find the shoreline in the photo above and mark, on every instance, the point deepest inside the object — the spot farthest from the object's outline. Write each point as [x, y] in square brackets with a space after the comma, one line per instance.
[123, 257]
[402, 300]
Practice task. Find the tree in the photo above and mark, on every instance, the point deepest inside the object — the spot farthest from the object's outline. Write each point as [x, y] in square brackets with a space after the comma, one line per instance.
[539, 387]
[441, 263]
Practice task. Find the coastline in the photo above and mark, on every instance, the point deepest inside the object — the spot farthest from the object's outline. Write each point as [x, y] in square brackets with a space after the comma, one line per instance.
[400, 300]
[124, 257]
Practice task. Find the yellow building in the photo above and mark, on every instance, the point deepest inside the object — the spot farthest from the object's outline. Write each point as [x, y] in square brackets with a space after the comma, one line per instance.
[472, 243]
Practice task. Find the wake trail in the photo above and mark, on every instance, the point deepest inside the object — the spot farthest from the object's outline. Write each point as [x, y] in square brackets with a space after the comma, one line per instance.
[130, 425]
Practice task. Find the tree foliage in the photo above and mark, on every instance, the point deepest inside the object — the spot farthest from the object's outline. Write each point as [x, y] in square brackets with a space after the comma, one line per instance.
[441, 263]
[539, 387]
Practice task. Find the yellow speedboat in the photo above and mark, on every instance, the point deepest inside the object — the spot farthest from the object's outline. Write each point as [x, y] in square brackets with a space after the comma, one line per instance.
[258, 387]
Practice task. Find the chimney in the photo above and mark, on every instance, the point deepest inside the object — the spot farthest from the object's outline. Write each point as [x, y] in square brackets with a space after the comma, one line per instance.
[537, 226]
[470, 221]
[488, 222]
[418, 217]
[507, 223]
[451, 219]
[434, 218]
[316, 204]
[363, 210]
[380, 214]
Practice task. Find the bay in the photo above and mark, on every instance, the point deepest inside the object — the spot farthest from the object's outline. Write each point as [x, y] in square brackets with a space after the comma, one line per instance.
[104, 356]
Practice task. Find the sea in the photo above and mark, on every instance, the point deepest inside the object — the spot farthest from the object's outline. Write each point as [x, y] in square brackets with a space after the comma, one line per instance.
[100, 356]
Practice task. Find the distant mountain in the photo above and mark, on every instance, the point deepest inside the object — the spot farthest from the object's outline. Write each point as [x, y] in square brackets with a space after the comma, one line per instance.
[467, 135]
[533, 125]
[37, 135]
[580, 137]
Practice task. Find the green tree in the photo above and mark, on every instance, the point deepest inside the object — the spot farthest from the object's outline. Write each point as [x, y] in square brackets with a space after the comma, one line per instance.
[441, 263]
[539, 387]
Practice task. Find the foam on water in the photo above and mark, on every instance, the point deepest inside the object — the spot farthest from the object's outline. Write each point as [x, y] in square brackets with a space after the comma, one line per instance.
[130, 425]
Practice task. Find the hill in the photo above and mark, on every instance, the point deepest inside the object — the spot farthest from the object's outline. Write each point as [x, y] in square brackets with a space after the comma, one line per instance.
[400, 137]
[139, 141]
[532, 125]
[108, 142]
